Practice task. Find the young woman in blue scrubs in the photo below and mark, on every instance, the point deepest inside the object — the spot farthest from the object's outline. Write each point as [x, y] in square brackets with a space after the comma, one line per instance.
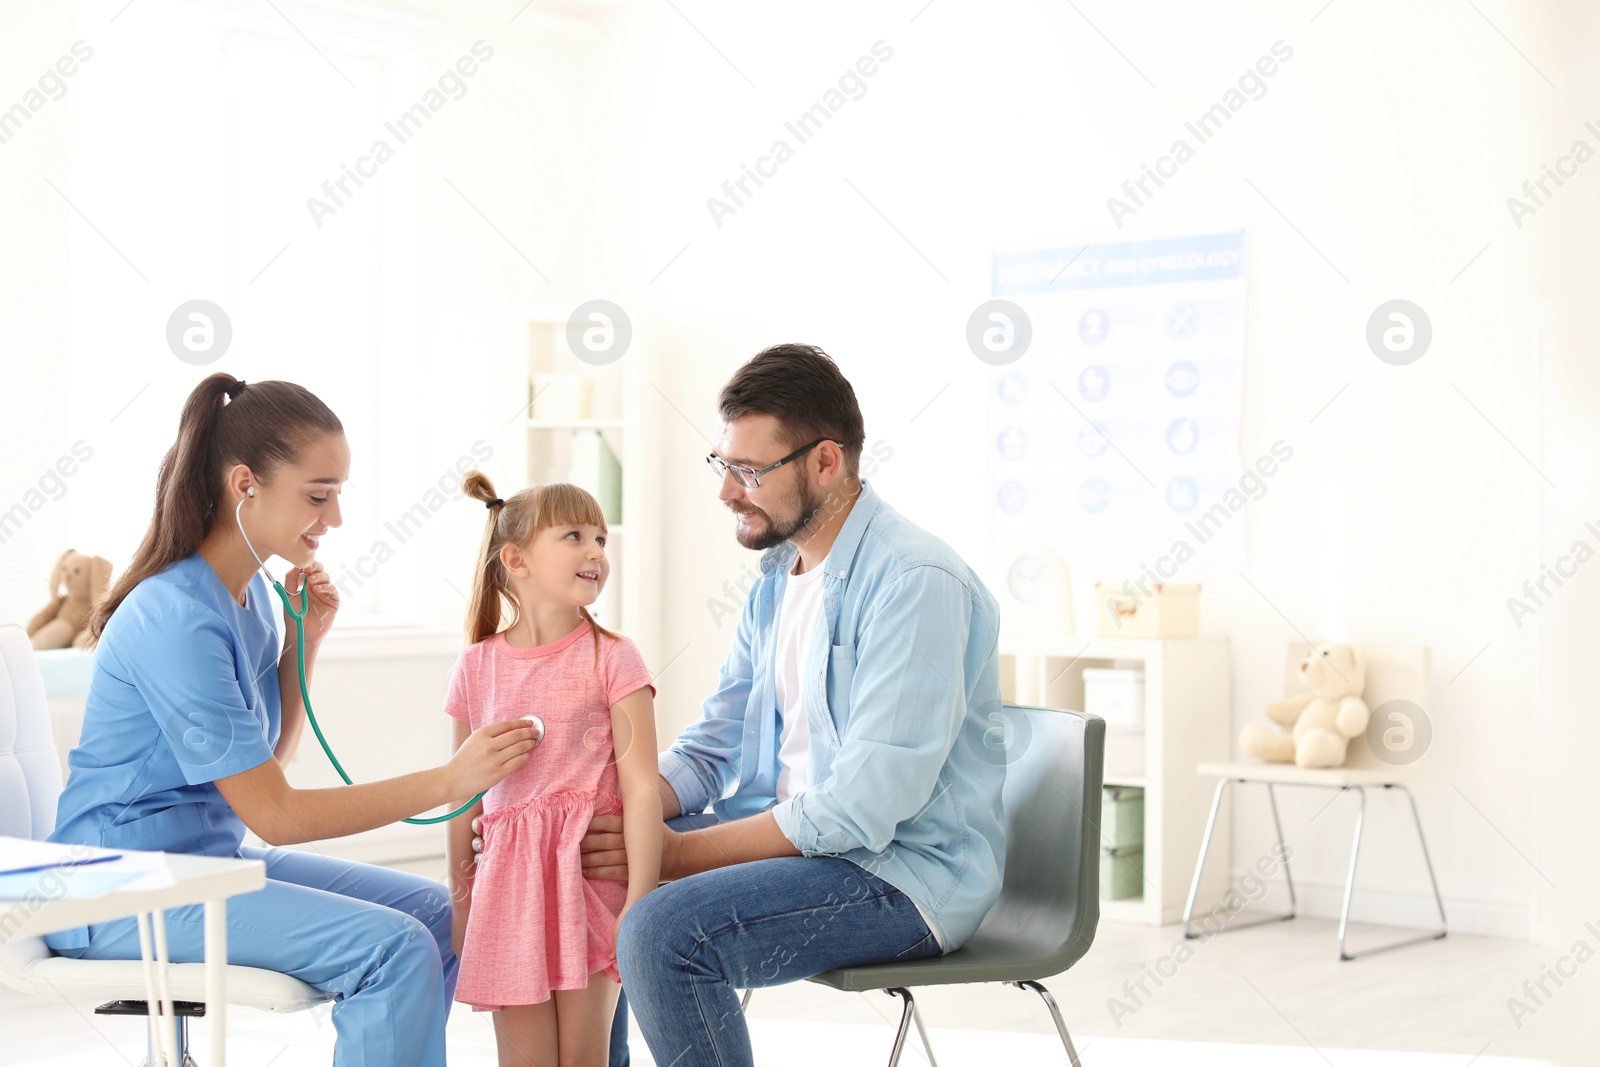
[193, 712]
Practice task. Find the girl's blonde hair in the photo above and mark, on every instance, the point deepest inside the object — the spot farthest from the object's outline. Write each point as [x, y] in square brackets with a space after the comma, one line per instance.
[516, 522]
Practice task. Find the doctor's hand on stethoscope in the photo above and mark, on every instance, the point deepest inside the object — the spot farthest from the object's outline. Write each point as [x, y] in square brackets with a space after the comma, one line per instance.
[313, 581]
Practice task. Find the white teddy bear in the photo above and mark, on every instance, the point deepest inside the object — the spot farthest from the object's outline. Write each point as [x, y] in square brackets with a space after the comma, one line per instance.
[1323, 720]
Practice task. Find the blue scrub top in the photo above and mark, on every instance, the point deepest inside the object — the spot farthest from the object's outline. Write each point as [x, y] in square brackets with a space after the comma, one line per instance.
[184, 691]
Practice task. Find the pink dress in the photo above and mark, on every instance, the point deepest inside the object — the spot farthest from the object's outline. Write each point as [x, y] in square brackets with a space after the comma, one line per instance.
[537, 924]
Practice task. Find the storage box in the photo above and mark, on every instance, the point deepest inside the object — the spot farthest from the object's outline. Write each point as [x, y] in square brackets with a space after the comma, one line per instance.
[560, 396]
[595, 468]
[1116, 694]
[1122, 817]
[1124, 755]
[1121, 873]
[1129, 609]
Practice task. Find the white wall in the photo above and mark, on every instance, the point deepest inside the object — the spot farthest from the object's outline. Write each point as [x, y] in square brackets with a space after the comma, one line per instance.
[1558, 643]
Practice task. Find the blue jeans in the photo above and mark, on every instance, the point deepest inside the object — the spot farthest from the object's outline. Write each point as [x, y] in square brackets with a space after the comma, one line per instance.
[686, 949]
[378, 940]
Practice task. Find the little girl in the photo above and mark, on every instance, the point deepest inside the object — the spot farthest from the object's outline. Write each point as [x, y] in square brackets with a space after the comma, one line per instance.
[537, 940]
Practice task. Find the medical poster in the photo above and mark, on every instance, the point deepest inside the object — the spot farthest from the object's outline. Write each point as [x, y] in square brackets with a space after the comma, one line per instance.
[1113, 437]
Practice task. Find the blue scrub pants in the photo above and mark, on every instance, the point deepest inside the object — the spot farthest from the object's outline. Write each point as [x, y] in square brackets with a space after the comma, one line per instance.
[377, 939]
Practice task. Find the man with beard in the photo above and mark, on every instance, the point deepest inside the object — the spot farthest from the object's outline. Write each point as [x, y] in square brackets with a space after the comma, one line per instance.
[848, 813]
[833, 806]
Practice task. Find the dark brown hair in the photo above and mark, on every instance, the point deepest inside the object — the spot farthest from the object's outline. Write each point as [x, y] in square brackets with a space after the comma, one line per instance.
[516, 522]
[802, 387]
[263, 427]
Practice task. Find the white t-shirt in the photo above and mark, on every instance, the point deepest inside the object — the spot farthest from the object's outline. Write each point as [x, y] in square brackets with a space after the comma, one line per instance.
[798, 618]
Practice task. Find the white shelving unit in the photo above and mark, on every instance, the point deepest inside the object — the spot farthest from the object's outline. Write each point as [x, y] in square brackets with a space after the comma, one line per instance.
[1188, 720]
[542, 452]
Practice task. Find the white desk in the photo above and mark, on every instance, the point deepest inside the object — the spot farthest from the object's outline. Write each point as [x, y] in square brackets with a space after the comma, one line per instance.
[207, 880]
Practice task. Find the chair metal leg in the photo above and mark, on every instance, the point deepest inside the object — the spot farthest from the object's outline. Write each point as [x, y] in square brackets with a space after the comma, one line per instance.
[1200, 861]
[905, 1022]
[153, 1056]
[1350, 884]
[1200, 865]
[927, 1046]
[1283, 850]
[1350, 879]
[1055, 1013]
[744, 1001]
[1422, 839]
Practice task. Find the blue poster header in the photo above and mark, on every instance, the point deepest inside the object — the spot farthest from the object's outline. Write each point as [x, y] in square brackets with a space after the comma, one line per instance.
[1208, 257]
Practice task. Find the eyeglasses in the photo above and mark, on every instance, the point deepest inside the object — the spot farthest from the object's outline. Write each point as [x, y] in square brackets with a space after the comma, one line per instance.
[749, 477]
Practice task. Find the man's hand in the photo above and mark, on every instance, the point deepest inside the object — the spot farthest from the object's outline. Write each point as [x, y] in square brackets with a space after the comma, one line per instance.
[602, 851]
[604, 856]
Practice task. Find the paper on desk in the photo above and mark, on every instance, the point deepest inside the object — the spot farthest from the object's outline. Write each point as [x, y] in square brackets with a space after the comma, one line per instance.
[21, 852]
[150, 869]
[134, 870]
[64, 883]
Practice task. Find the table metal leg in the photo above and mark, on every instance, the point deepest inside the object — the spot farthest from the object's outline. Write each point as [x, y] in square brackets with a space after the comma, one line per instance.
[157, 1033]
[170, 1023]
[216, 979]
[147, 964]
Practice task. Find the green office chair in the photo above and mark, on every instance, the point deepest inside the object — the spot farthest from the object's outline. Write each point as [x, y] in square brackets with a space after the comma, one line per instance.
[1049, 902]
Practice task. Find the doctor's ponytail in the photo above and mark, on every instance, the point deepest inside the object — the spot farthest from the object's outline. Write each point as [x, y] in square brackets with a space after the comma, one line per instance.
[224, 422]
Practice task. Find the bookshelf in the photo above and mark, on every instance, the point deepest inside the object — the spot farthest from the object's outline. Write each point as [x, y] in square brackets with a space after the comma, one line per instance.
[580, 406]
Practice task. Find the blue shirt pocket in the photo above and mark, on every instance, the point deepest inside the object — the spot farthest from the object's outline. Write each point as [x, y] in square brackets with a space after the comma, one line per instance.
[841, 673]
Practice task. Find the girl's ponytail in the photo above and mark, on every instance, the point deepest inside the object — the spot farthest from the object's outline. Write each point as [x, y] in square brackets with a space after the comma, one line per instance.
[489, 577]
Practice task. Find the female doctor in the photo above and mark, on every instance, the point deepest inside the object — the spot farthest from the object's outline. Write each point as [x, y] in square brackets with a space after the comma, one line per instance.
[192, 715]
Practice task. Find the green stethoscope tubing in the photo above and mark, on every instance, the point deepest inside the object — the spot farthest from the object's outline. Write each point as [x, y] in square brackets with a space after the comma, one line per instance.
[311, 716]
[300, 657]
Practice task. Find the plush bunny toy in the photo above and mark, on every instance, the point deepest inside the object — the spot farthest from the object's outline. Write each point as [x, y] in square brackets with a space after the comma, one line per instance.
[76, 582]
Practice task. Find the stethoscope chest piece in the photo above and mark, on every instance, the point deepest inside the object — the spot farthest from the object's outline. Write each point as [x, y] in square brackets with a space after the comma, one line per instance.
[537, 723]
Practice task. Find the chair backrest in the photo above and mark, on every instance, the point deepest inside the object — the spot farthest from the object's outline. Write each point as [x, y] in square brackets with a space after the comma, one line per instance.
[30, 771]
[1394, 672]
[1050, 896]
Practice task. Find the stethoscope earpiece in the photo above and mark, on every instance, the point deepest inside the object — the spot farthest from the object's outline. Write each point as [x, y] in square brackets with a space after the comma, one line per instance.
[251, 491]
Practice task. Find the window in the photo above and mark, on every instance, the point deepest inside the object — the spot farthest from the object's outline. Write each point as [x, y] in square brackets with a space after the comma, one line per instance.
[218, 156]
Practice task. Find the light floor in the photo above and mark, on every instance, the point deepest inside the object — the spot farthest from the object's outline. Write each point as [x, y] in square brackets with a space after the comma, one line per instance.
[1274, 995]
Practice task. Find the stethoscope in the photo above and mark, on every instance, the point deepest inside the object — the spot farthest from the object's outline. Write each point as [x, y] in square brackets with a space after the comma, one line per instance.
[305, 690]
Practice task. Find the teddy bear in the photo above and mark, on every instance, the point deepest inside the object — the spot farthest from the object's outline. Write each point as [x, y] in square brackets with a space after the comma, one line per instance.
[77, 581]
[1323, 720]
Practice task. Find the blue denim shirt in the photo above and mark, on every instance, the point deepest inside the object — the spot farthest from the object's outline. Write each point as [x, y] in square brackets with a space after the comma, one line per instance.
[901, 682]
